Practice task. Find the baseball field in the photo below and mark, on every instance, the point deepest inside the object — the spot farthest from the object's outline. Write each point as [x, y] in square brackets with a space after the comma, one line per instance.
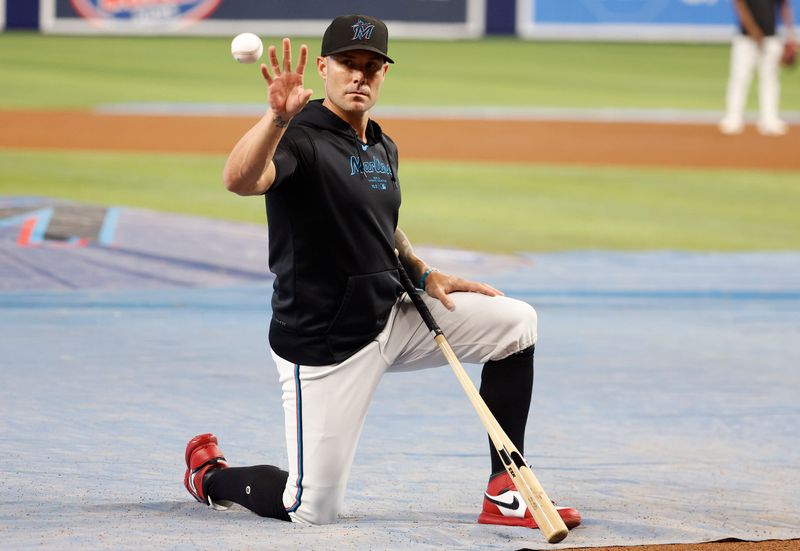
[574, 146]
[587, 178]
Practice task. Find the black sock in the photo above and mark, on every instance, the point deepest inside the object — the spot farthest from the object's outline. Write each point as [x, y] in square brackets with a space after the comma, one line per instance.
[506, 387]
[258, 488]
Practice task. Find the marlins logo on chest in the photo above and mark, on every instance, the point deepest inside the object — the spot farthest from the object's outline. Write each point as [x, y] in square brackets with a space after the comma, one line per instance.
[360, 166]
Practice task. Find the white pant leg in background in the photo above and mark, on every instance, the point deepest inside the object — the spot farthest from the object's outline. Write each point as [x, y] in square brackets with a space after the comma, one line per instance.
[769, 83]
[325, 406]
[744, 55]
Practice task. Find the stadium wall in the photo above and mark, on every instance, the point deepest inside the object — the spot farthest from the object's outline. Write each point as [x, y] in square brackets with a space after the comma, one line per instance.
[603, 20]
[626, 20]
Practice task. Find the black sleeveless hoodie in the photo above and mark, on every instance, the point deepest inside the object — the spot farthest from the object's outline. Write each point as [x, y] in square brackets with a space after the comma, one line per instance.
[332, 213]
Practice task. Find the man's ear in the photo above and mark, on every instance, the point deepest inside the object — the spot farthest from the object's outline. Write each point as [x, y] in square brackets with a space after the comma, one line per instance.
[322, 67]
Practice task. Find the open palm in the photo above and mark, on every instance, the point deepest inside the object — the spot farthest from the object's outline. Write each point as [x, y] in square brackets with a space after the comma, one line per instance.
[286, 93]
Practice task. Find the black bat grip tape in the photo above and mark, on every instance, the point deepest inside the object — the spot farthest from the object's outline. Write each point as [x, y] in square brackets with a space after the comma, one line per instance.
[424, 313]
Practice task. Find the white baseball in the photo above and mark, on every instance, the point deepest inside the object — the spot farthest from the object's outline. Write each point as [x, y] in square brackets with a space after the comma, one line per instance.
[246, 48]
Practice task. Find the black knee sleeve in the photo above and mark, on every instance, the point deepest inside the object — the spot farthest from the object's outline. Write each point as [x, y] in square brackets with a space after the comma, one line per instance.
[506, 387]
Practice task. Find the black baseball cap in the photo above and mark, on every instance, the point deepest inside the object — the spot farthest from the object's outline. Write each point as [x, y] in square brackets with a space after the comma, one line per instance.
[356, 32]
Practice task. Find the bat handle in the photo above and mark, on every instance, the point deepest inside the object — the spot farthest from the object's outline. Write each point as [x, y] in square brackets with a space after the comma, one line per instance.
[420, 305]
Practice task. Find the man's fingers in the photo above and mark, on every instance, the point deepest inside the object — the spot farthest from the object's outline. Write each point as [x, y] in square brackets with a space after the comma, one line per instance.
[300, 98]
[287, 55]
[458, 284]
[441, 295]
[265, 74]
[443, 285]
[473, 287]
[301, 63]
[273, 60]
[489, 290]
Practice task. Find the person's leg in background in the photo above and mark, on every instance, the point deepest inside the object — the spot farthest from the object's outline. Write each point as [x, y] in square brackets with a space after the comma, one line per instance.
[769, 87]
[744, 54]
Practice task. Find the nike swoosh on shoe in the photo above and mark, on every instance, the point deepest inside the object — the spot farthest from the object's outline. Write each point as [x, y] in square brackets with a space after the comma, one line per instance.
[513, 507]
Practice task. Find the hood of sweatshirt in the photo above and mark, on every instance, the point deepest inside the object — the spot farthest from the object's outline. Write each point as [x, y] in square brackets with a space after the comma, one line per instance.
[316, 115]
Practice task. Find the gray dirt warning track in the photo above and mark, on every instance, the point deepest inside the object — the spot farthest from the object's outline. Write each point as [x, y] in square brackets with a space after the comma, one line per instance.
[664, 407]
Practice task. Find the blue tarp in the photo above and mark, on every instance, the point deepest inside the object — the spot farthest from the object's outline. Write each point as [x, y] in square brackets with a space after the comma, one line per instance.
[665, 402]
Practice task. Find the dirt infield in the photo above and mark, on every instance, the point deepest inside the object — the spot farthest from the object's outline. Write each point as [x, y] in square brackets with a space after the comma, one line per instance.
[584, 143]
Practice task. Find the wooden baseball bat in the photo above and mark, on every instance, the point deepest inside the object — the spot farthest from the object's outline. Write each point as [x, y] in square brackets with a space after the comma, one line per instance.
[542, 509]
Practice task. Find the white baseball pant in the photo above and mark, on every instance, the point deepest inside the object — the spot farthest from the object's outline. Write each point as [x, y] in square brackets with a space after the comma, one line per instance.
[325, 406]
[745, 55]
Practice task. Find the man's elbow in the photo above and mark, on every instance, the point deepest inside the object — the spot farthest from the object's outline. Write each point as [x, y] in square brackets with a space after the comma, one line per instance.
[234, 187]
[236, 184]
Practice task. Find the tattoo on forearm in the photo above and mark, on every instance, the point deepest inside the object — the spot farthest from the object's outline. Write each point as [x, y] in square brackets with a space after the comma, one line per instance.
[280, 122]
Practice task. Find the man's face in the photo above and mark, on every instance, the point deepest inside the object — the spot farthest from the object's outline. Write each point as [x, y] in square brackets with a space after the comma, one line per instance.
[353, 79]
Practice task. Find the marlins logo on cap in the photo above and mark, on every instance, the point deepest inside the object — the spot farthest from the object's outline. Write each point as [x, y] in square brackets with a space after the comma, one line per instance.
[362, 30]
[356, 32]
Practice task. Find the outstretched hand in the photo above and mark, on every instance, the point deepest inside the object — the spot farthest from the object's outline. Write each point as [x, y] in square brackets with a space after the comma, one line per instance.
[439, 285]
[286, 93]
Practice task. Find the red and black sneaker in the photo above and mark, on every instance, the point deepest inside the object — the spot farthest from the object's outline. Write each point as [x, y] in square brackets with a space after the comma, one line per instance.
[503, 504]
[203, 455]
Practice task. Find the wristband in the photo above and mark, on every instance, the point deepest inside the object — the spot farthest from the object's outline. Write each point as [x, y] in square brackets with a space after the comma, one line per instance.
[425, 275]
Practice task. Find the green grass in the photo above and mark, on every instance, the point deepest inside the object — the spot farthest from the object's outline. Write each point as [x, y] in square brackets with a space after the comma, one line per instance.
[475, 206]
[543, 208]
[81, 72]
[188, 184]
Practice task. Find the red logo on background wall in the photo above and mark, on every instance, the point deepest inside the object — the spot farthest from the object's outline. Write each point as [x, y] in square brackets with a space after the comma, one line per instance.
[144, 14]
